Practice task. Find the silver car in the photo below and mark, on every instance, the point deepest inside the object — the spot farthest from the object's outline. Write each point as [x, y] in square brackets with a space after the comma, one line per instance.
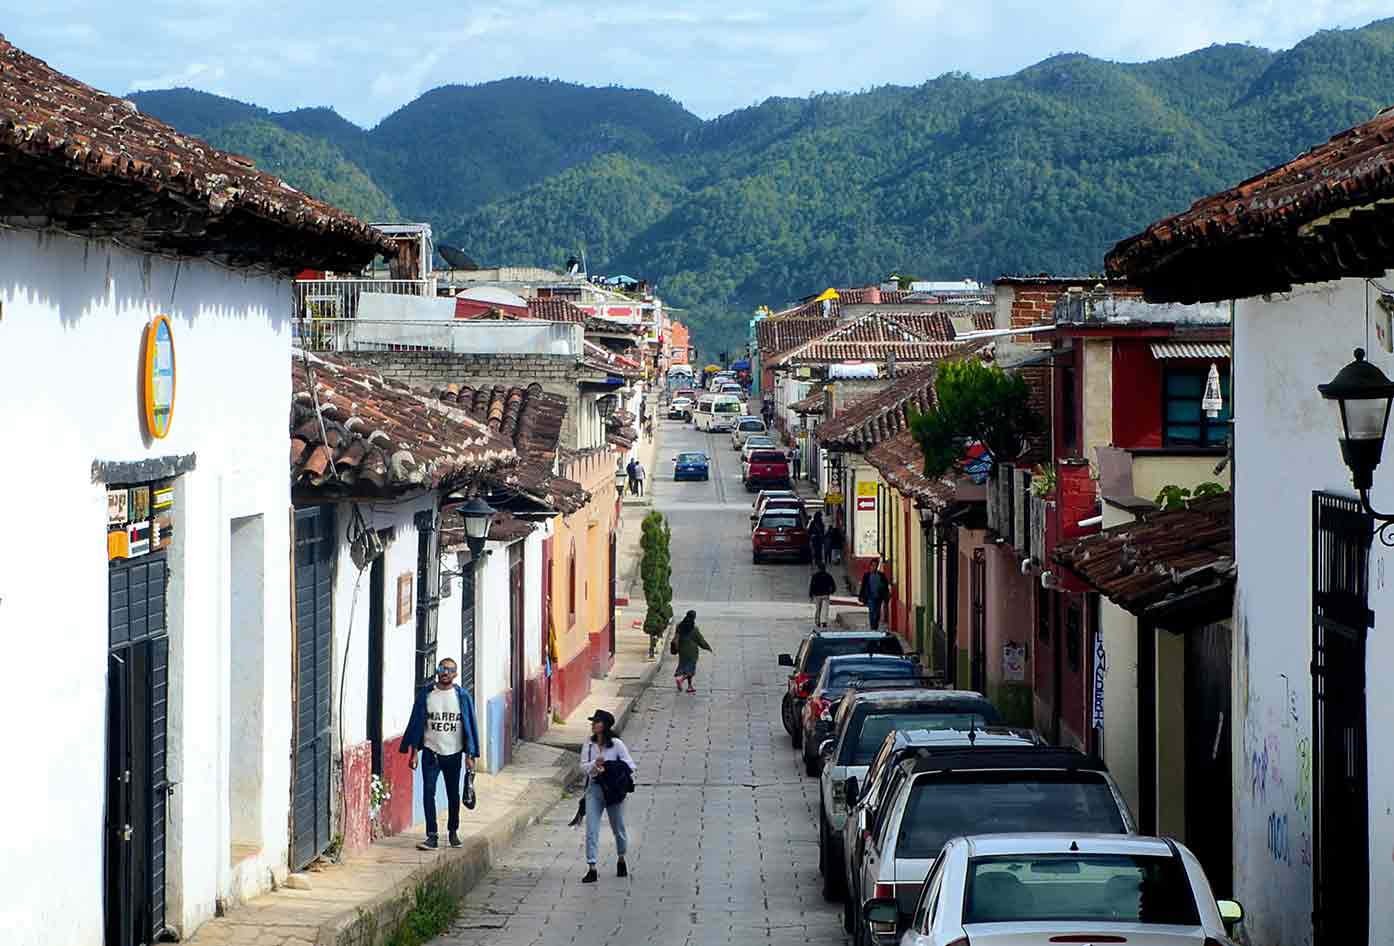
[860, 725]
[864, 798]
[1036, 889]
[746, 427]
[948, 792]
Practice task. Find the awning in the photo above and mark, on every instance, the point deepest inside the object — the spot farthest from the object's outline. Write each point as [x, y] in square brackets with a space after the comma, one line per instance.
[1200, 350]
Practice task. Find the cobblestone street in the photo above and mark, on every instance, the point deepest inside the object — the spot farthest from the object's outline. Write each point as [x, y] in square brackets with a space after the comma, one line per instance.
[722, 827]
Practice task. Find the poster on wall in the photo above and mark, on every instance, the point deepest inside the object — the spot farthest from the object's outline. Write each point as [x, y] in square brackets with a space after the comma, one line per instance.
[1096, 719]
[867, 529]
[404, 610]
[1014, 662]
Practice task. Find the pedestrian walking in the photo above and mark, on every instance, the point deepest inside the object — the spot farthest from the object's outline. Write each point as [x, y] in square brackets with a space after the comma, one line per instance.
[609, 772]
[688, 642]
[633, 477]
[442, 731]
[795, 461]
[820, 589]
[874, 592]
[818, 538]
[638, 478]
[836, 537]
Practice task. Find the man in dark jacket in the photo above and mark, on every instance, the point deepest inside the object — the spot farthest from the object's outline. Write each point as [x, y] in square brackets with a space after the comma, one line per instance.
[818, 538]
[820, 589]
[874, 592]
[442, 730]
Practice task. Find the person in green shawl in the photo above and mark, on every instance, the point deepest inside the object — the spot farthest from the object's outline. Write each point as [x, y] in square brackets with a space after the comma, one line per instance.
[687, 644]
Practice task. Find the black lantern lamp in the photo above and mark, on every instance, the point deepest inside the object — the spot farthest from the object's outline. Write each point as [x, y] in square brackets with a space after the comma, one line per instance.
[478, 516]
[621, 475]
[606, 405]
[1362, 395]
[926, 517]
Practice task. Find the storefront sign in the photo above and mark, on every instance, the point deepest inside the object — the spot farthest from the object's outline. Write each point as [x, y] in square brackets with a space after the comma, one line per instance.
[157, 376]
[1100, 671]
[868, 533]
[140, 519]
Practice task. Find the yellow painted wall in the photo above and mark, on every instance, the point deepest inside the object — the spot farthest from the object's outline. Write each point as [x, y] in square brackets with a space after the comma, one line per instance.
[1151, 473]
[587, 531]
[1098, 396]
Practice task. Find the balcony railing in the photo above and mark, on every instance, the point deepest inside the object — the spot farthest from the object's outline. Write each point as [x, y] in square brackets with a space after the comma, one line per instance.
[462, 336]
[338, 298]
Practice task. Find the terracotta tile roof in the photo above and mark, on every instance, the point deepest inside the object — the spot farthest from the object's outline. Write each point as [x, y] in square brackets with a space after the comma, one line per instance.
[621, 430]
[532, 420]
[813, 404]
[901, 464]
[602, 358]
[1165, 563]
[91, 164]
[603, 326]
[778, 334]
[382, 436]
[879, 417]
[555, 310]
[1275, 230]
[873, 336]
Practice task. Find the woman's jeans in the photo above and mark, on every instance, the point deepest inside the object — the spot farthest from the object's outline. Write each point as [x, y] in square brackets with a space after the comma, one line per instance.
[595, 804]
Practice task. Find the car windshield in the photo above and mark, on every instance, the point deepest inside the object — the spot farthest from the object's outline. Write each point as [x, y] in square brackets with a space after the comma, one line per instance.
[731, 408]
[1126, 888]
[822, 648]
[860, 746]
[845, 671]
[780, 521]
[692, 458]
[1003, 802]
[752, 425]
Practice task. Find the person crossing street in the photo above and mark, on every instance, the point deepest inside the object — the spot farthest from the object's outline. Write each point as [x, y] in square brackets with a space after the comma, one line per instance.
[820, 589]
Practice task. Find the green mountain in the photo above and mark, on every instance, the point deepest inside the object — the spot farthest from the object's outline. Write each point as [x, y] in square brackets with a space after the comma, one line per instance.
[1041, 170]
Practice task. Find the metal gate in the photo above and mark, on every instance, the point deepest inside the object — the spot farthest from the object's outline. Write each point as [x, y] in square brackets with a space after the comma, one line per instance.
[1341, 618]
[137, 723]
[310, 783]
[466, 678]
[978, 606]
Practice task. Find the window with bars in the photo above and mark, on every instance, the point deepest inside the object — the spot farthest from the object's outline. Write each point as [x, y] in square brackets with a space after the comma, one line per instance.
[1184, 422]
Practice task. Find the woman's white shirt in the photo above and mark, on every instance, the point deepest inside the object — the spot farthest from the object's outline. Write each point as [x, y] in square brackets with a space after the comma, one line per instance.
[594, 752]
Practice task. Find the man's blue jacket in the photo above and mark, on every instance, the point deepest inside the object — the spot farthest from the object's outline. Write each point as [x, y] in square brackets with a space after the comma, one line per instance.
[415, 736]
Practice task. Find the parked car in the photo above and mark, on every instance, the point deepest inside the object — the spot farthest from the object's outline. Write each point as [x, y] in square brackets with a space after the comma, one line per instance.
[783, 533]
[806, 663]
[753, 443]
[691, 466]
[859, 727]
[680, 408]
[864, 796]
[748, 426]
[767, 468]
[778, 504]
[1001, 790]
[840, 673]
[1063, 888]
[731, 387]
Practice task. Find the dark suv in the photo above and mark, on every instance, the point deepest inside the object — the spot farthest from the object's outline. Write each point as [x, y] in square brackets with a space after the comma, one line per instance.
[842, 672]
[808, 663]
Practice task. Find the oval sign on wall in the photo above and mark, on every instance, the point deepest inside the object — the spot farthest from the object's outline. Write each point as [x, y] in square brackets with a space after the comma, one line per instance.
[157, 376]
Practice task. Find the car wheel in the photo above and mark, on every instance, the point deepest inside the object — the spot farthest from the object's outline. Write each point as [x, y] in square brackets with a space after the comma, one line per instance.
[849, 918]
[823, 866]
[831, 875]
[797, 736]
[786, 714]
[755, 558]
[811, 763]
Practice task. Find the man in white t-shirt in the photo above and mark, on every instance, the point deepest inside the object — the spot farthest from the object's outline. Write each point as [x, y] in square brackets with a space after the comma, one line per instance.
[443, 732]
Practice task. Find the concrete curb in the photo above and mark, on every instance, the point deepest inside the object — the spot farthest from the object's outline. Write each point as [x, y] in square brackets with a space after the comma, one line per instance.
[458, 869]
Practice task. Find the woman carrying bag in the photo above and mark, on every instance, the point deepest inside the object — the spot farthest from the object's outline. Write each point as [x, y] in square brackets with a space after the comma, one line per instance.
[688, 643]
[609, 772]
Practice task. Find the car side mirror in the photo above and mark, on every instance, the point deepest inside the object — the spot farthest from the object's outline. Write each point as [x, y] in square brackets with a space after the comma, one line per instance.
[882, 910]
[825, 747]
[850, 790]
[786, 660]
[1231, 913]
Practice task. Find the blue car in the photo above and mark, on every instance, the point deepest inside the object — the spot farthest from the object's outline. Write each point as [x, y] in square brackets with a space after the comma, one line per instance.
[691, 466]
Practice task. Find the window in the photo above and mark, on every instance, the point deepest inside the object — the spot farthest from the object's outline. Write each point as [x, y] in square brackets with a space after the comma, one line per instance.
[1184, 423]
[1067, 408]
[571, 585]
[1113, 888]
[861, 747]
[929, 896]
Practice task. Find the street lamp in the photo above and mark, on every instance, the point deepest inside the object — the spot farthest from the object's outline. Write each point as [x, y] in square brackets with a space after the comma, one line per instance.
[926, 517]
[478, 515]
[620, 477]
[606, 405]
[1362, 395]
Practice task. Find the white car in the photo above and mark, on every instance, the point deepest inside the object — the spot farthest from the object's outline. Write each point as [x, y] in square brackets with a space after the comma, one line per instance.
[1038, 889]
[746, 427]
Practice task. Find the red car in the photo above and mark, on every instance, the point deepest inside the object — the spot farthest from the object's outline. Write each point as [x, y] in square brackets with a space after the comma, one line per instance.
[766, 468]
[780, 532]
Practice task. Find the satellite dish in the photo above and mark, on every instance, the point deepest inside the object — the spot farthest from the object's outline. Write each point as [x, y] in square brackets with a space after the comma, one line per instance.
[455, 257]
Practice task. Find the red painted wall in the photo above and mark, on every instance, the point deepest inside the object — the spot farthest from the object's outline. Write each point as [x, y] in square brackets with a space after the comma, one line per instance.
[571, 682]
[1137, 395]
[395, 817]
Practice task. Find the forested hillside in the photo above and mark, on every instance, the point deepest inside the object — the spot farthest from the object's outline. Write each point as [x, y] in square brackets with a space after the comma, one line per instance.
[1041, 170]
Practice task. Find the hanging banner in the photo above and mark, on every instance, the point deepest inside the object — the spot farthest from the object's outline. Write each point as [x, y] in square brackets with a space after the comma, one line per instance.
[1096, 719]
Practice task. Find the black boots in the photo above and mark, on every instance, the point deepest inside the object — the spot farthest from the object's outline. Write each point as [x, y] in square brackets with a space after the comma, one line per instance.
[622, 870]
[591, 876]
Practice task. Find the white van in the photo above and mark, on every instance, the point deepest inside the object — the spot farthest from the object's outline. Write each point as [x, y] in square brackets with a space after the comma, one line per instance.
[702, 413]
[726, 411]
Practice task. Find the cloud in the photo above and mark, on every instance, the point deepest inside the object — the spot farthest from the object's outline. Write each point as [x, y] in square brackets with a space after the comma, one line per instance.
[366, 60]
[195, 74]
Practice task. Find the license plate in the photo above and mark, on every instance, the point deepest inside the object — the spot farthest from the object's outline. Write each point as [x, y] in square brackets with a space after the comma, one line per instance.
[780, 538]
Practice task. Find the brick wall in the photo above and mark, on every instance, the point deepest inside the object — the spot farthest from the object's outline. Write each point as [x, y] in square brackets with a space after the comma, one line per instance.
[432, 370]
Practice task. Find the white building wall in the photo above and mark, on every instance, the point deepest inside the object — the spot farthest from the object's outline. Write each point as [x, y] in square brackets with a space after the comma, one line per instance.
[1286, 447]
[71, 317]
[532, 602]
[493, 640]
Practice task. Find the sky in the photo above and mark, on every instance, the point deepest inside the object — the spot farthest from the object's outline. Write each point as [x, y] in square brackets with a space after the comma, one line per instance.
[368, 59]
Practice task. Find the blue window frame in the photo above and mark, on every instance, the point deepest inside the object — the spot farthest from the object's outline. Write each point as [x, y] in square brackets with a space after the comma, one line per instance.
[1184, 423]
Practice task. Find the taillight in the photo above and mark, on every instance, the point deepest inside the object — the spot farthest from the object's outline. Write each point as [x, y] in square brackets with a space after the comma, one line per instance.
[803, 684]
[961, 941]
[883, 892]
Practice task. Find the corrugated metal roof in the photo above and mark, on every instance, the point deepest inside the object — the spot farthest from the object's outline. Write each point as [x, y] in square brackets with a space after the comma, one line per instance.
[1203, 350]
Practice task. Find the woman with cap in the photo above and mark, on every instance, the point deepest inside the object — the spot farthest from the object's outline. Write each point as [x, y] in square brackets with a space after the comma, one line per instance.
[604, 760]
[688, 643]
